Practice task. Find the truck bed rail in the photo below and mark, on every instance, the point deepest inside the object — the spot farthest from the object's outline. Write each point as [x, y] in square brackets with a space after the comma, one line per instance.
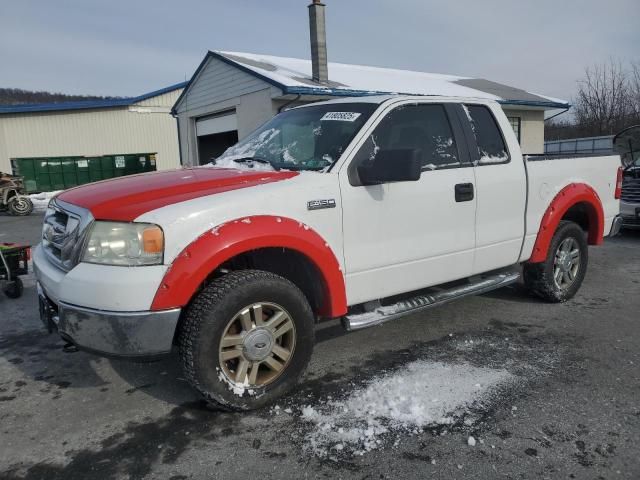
[537, 157]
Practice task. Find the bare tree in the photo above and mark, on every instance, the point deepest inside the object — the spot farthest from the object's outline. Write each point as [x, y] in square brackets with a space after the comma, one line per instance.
[608, 100]
[602, 104]
[634, 92]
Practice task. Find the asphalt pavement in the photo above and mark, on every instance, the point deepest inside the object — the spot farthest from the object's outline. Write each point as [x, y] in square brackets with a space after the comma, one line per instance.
[573, 413]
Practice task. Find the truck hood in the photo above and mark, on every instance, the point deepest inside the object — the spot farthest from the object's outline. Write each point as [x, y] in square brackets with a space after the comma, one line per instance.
[126, 198]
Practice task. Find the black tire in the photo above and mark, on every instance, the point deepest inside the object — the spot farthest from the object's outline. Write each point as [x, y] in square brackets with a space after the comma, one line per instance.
[20, 206]
[14, 288]
[206, 321]
[539, 277]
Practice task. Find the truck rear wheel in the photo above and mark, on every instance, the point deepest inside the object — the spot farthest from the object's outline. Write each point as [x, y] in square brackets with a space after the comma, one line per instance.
[246, 339]
[560, 276]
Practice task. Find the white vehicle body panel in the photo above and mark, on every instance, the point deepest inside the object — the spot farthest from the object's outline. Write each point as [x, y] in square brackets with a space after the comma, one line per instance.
[548, 177]
[501, 191]
[403, 236]
[103, 287]
[184, 222]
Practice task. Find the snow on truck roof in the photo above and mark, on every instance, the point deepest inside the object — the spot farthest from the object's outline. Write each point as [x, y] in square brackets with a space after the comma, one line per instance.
[293, 76]
[380, 98]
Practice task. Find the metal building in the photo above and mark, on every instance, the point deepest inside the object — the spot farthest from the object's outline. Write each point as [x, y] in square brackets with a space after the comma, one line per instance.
[121, 126]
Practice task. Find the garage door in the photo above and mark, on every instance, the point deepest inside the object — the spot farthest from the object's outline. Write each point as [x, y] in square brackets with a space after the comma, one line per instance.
[226, 122]
[215, 134]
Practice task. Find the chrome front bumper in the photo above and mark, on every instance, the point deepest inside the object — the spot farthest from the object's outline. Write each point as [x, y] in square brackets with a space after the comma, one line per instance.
[122, 334]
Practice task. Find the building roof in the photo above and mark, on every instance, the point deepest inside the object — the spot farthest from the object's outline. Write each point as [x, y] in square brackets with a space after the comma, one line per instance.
[293, 76]
[87, 104]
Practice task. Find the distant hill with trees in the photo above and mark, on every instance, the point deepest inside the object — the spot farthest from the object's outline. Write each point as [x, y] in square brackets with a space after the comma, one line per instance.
[18, 96]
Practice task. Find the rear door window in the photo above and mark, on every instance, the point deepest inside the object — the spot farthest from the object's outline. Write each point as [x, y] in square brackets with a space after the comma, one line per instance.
[491, 146]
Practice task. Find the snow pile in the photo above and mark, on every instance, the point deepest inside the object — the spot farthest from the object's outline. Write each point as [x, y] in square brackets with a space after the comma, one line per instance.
[229, 162]
[243, 151]
[41, 200]
[469, 117]
[418, 395]
[486, 159]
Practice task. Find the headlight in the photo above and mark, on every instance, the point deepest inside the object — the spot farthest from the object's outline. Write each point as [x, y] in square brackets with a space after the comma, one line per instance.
[125, 244]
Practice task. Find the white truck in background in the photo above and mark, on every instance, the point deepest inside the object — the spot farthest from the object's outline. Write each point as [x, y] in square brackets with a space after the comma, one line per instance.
[627, 144]
[365, 209]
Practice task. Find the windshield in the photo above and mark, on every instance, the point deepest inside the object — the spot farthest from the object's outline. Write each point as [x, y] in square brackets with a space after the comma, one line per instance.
[308, 138]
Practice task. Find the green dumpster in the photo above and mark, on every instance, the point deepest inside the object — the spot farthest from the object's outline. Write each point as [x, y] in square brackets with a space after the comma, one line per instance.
[47, 174]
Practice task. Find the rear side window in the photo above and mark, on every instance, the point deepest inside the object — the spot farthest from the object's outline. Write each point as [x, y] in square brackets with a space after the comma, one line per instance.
[423, 127]
[491, 146]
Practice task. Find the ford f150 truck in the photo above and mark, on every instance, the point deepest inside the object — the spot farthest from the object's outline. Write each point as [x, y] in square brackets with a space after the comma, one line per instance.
[362, 209]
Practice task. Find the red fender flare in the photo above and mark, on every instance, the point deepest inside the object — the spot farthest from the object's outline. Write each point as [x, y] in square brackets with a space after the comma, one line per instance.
[196, 262]
[569, 196]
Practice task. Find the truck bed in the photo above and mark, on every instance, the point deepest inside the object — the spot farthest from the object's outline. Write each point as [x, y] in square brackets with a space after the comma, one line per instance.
[548, 174]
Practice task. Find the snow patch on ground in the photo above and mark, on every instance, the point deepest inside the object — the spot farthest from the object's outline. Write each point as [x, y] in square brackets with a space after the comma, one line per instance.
[418, 395]
[41, 200]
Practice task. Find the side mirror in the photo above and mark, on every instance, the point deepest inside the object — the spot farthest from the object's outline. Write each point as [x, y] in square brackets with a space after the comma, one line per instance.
[401, 165]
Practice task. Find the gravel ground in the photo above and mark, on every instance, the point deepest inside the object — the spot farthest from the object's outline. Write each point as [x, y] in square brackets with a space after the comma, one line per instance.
[574, 411]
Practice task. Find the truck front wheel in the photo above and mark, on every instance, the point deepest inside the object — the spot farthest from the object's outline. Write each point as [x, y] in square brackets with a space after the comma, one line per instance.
[246, 339]
[559, 277]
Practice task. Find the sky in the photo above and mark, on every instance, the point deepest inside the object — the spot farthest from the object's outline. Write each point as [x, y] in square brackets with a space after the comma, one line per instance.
[127, 48]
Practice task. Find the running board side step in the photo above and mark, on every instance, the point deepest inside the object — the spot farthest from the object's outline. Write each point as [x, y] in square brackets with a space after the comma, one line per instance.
[418, 303]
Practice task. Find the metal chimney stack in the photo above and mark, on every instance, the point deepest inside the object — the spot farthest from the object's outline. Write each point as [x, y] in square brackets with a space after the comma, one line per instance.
[318, 42]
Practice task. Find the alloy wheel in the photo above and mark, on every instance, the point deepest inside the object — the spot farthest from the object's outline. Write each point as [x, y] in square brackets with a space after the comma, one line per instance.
[257, 345]
[566, 263]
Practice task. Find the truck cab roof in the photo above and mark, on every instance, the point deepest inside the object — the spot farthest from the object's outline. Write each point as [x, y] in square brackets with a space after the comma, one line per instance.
[380, 99]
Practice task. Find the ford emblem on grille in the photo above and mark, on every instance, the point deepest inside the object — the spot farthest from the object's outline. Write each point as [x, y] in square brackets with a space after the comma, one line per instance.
[63, 232]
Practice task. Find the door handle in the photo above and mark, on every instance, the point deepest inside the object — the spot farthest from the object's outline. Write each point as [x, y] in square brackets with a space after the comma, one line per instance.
[464, 192]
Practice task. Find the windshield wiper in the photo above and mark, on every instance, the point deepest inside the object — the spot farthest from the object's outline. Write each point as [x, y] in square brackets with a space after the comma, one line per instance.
[256, 159]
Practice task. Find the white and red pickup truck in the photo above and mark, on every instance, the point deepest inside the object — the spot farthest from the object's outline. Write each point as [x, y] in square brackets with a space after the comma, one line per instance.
[364, 209]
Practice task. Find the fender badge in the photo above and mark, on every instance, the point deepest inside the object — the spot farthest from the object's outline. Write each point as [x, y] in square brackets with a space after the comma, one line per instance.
[320, 204]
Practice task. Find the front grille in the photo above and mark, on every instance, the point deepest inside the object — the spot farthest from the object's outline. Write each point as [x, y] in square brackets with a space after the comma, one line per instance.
[631, 189]
[63, 233]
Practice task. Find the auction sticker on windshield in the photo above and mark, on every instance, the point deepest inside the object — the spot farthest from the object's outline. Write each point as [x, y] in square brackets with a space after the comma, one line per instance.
[341, 116]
